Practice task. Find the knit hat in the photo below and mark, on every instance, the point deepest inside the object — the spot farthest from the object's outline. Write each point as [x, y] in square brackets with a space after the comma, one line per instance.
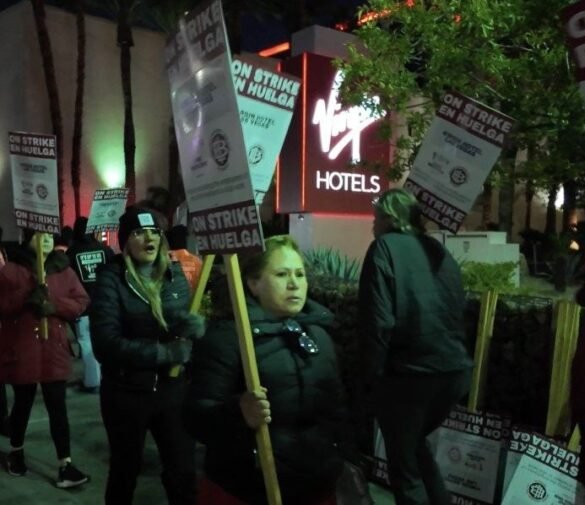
[27, 236]
[133, 219]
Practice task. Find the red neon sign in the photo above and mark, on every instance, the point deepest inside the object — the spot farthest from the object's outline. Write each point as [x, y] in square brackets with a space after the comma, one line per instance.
[315, 173]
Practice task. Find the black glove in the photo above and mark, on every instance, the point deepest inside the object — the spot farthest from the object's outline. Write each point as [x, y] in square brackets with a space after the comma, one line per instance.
[191, 328]
[38, 301]
[176, 352]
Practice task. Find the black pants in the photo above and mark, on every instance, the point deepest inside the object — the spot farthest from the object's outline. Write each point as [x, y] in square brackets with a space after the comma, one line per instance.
[3, 402]
[54, 398]
[128, 416]
[408, 408]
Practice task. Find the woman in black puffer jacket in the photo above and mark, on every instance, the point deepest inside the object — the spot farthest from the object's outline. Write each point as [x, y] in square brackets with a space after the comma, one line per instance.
[301, 396]
[140, 329]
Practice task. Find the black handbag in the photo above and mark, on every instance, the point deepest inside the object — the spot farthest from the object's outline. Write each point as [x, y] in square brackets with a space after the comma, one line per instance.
[352, 486]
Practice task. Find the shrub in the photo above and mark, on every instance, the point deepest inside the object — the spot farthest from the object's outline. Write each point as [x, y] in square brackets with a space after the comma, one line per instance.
[328, 262]
[478, 276]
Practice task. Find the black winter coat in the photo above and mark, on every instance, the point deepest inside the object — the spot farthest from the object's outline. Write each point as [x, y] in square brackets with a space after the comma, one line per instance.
[305, 394]
[124, 332]
[411, 307]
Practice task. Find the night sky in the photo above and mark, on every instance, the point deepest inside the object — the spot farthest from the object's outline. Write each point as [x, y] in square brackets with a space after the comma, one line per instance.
[256, 34]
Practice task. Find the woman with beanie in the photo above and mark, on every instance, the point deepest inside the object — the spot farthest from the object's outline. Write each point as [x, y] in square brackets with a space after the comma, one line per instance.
[141, 329]
[27, 358]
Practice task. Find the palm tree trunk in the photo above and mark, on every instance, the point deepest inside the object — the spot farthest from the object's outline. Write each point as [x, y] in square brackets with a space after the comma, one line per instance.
[528, 197]
[78, 113]
[125, 42]
[506, 195]
[486, 211]
[234, 26]
[175, 183]
[550, 227]
[52, 90]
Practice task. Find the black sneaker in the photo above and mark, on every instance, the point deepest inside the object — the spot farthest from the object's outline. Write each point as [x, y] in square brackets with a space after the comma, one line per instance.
[15, 463]
[69, 477]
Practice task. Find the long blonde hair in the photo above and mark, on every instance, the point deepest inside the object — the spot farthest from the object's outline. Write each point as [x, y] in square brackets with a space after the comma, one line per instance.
[151, 290]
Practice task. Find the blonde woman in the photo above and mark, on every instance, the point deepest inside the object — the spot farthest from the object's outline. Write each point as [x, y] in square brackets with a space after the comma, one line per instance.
[140, 329]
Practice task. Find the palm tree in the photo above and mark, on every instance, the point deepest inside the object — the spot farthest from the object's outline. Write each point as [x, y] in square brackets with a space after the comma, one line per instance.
[78, 113]
[52, 90]
[125, 42]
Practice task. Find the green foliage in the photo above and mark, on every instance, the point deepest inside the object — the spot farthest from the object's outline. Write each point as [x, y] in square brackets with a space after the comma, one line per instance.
[328, 262]
[479, 277]
[508, 54]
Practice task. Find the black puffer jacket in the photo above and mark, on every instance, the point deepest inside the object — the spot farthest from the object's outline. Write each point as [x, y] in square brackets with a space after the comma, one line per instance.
[305, 394]
[124, 332]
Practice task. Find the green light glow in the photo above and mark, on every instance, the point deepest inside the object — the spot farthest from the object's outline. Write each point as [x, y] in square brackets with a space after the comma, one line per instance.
[106, 149]
[112, 175]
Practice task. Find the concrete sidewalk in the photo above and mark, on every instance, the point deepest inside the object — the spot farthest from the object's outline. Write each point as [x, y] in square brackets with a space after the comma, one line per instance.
[89, 451]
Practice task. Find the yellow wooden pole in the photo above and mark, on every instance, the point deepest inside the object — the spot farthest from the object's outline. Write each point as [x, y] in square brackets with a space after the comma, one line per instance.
[566, 333]
[575, 440]
[38, 244]
[197, 298]
[560, 318]
[251, 374]
[485, 329]
[202, 284]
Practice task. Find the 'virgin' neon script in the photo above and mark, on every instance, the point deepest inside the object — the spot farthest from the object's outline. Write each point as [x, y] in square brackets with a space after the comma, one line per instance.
[343, 125]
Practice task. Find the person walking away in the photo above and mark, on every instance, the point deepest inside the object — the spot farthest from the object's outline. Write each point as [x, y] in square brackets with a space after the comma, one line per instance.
[190, 263]
[417, 364]
[27, 358]
[86, 254]
[140, 329]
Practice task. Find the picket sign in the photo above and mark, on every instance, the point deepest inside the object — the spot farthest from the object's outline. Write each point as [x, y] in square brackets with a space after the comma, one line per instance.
[538, 468]
[541, 470]
[566, 334]
[468, 451]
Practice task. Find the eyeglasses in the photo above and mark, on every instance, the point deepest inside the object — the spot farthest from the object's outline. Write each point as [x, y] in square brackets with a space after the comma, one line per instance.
[305, 343]
[141, 232]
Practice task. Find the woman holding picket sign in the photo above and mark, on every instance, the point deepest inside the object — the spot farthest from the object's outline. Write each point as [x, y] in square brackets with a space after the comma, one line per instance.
[301, 397]
[140, 329]
[32, 352]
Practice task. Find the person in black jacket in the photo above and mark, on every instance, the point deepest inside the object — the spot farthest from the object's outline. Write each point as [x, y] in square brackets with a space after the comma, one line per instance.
[86, 254]
[141, 330]
[301, 397]
[416, 359]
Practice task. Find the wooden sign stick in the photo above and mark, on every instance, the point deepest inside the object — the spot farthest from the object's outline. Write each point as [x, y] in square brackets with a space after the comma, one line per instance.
[248, 354]
[43, 323]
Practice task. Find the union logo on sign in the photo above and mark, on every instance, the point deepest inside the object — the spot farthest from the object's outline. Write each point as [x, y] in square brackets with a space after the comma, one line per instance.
[537, 491]
[220, 148]
[42, 191]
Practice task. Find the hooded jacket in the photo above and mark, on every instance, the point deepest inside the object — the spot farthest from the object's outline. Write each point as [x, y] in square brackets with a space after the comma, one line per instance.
[306, 399]
[125, 333]
[25, 357]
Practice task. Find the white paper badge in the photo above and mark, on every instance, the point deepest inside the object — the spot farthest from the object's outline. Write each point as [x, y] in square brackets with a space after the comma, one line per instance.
[146, 220]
